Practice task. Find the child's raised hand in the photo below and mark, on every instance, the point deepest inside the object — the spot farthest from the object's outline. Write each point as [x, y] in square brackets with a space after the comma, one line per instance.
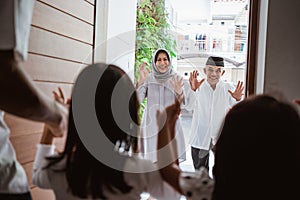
[177, 83]
[297, 101]
[166, 120]
[60, 97]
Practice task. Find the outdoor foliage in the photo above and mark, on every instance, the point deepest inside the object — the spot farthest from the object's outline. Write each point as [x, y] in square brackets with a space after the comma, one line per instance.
[153, 31]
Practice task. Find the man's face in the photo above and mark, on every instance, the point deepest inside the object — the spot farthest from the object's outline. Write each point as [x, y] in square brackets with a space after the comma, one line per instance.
[213, 74]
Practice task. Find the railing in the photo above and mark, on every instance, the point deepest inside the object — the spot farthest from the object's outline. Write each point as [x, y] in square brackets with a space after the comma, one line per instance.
[192, 54]
[212, 45]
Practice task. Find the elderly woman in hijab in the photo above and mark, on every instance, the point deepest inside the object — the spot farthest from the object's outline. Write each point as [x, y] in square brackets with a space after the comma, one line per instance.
[161, 87]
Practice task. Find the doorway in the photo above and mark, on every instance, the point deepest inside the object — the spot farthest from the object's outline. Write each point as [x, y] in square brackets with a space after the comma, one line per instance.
[221, 29]
[228, 28]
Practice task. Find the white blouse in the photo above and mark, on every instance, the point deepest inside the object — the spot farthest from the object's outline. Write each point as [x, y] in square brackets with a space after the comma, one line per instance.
[150, 182]
[196, 185]
[13, 178]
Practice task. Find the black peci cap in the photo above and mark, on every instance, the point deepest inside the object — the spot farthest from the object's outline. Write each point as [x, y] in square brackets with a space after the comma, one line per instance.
[215, 61]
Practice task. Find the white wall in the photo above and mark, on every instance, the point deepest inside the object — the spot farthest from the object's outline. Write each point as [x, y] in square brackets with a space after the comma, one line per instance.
[282, 61]
[278, 71]
[115, 35]
[261, 52]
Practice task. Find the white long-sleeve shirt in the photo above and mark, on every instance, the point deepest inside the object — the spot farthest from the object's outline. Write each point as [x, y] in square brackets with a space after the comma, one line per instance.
[15, 20]
[12, 175]
[151, 181]
[209, 110]
[196, 185]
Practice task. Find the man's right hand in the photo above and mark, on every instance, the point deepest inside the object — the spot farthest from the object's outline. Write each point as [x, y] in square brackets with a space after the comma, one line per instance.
[194, 83]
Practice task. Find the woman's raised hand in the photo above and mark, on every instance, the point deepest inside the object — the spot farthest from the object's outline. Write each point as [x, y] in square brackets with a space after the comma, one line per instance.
[143, 73]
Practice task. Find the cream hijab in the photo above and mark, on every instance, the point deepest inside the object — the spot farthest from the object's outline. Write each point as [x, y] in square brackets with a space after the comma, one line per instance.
[157, 74]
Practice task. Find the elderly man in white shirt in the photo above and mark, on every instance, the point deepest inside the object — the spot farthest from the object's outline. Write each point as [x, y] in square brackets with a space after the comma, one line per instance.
[210, 100]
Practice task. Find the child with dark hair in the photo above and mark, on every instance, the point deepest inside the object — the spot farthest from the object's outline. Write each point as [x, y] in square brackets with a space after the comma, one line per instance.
[258, 153]
[106, 125]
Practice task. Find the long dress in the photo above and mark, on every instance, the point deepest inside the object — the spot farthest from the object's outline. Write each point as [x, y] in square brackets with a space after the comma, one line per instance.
[159, 95]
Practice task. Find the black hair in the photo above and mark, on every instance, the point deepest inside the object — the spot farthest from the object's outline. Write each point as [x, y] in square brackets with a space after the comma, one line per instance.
[258, 151]
[87, 176]
[161, 51]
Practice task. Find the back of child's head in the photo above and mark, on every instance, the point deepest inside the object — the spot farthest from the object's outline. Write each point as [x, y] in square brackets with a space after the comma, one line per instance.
[117, 105]
[258, 152]
[86, 175]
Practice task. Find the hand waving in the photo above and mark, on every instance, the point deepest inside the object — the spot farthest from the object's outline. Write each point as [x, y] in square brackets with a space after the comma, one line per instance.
[59, 130]
[238, 92]
[177, 83]
[60, 97]
[297, 101]
[143, 73]
[194, 83]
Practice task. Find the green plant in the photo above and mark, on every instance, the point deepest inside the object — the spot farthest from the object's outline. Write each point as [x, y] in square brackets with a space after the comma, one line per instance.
[153, 31]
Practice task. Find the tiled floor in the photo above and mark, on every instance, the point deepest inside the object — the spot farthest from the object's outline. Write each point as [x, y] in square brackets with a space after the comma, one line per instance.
[187, 165]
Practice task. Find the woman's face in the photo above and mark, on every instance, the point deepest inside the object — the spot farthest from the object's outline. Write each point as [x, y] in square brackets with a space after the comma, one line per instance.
[162, 63]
